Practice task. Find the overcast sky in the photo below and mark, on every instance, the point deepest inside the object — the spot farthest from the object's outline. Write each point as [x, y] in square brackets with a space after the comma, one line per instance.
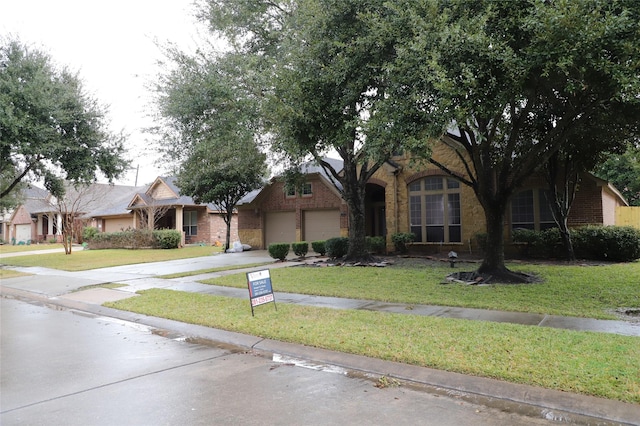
[112, 44]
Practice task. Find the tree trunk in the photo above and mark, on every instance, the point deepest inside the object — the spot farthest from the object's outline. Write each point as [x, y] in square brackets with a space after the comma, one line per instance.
[354, 196]
[493, 263]
[357, 239]
[566, 239]
[227, 220]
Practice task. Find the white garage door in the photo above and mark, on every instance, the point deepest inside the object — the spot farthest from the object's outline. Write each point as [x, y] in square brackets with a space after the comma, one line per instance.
[321, 224]
[280, 227]
[23, 233]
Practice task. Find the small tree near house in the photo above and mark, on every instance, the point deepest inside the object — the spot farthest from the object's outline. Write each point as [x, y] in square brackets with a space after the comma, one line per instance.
[149, 216]
[76, 201]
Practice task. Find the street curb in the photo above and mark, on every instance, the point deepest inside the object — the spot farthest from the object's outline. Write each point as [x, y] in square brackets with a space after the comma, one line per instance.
[525, 399]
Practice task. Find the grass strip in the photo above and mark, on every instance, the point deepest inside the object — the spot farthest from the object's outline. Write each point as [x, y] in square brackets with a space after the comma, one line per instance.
[580, 291]
[82, 260]
[597, 364]
[17, 248]
[211, 270]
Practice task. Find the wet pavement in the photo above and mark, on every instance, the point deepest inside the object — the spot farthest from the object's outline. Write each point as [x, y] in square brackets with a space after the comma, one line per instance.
[59, 289]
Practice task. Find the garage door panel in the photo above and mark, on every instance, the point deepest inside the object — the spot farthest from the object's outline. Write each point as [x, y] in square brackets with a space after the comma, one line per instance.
[280, 227]
[321, 224]
[23, 233]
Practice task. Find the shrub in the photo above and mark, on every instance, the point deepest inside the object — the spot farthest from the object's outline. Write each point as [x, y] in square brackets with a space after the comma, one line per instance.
[549, 243]
[545, 244]
[131, 238]
[319, 247]
[89, 232]
[401, 239]
[167, 238]
[278, 250]
[337, 247]
[376, 245]
[300, 248]
[614, 243]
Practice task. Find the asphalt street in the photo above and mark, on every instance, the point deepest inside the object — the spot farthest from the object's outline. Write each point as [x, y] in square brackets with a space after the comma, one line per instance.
[34, 352]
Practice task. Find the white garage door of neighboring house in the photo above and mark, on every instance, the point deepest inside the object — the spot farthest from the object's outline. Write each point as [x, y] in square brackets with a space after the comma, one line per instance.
[280, 227]
[23, 233]
[321, 224]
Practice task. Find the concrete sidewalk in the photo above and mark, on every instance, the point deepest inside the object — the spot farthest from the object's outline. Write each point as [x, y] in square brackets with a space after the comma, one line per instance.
[58, 288]
[145, 276]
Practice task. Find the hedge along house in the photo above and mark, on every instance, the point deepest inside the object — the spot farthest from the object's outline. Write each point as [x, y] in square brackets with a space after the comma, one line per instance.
[402, 196]
[162, 207]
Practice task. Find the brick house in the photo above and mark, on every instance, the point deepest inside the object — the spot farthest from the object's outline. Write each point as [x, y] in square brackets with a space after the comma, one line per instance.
[443, 213]
[113, 208]
[276, 213]
[162, 204]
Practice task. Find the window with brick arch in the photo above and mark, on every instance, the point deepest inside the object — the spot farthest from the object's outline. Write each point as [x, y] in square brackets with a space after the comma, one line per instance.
[530, 209]
[434, 210]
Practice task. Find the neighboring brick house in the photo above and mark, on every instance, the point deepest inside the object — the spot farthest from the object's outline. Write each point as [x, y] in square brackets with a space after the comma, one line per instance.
[200, 223]
[401, 196]
[40, 217]
[112, 208]
[21, 224]
[276, 213]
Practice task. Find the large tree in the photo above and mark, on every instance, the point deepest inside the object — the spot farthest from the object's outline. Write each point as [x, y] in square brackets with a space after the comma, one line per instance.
[209, 128]
[50, 127]
[507, 85]
[325, 79]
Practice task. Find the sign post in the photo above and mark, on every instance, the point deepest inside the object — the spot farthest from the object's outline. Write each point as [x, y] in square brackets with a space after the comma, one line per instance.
[260, 289]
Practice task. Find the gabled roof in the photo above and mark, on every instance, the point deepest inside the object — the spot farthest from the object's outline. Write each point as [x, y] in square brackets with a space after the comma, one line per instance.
[166, 187]
[308, 168]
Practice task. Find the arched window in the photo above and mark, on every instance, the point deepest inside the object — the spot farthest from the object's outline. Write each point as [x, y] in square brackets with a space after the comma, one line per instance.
[434, 210]
[530, 209]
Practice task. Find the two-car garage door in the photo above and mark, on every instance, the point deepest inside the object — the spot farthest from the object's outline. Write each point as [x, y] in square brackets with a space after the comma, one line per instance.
[280, 227]
[321, 224]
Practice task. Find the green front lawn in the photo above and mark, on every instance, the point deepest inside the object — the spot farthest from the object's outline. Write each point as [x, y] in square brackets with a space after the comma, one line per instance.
[9, 248]
[599, 364]
[581, 291]
[82, 260]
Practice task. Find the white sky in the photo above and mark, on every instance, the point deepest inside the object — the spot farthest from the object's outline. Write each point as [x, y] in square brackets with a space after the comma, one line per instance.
[112, 45]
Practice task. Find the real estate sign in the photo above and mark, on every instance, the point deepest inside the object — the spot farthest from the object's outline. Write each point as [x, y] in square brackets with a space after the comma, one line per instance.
[260, 289]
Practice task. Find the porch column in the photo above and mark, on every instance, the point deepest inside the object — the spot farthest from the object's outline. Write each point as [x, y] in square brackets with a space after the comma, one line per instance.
[180, 223]
[50, 219]
[39, 229]
[59, 221]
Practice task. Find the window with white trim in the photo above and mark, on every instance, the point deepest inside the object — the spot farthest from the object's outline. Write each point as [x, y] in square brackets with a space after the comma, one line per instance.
[190, 222]
[307, 190]
[434, 210]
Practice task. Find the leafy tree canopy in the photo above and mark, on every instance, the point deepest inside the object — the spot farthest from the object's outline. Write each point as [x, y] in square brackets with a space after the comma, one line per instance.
[322, 63]
[623, 170]
[209, 127]
[50, 128]
[509, 84]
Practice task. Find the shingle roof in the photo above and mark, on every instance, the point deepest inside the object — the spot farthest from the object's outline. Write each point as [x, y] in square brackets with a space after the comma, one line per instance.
[307, 168]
